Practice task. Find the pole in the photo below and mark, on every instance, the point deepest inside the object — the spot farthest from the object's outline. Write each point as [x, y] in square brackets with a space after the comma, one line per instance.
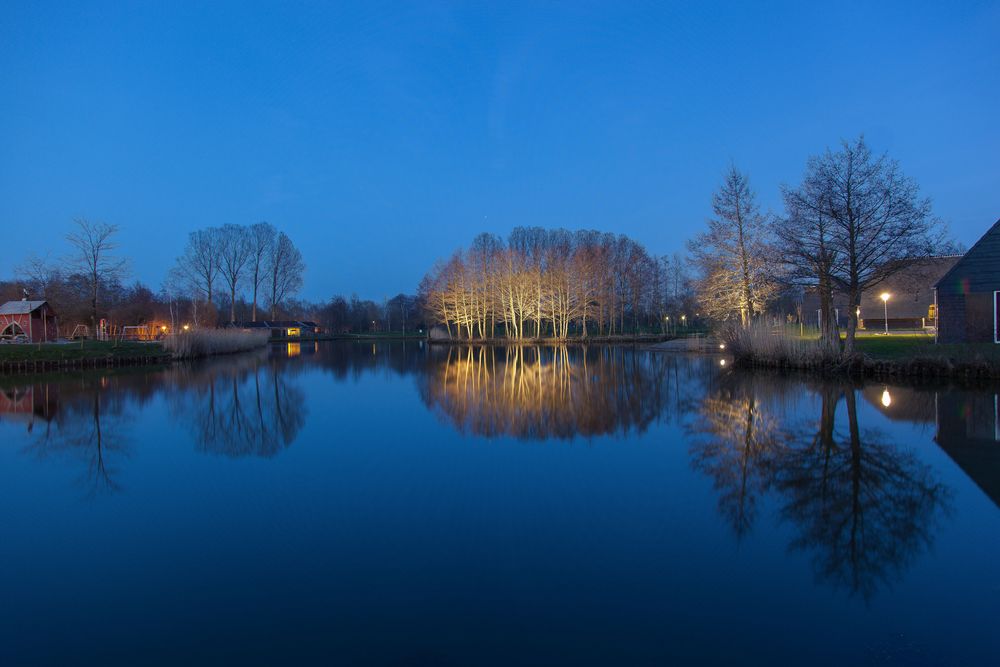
[885, 308]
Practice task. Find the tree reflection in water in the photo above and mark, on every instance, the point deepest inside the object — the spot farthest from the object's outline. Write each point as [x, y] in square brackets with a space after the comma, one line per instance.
[734, 439]
[542, 392]
[240, 407]
[865, 507]
[85, 420]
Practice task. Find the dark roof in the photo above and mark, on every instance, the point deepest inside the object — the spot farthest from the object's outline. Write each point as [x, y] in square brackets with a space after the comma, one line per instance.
[20, 307]
[271, 324]
[983, 247]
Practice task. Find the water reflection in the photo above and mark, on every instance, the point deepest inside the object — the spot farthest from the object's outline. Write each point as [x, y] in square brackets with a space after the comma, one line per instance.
[245, 406]
[863, 505]
[85, 421]
[545, 392]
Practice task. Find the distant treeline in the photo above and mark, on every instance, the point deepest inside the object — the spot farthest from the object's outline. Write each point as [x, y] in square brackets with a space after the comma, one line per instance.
[225, 273]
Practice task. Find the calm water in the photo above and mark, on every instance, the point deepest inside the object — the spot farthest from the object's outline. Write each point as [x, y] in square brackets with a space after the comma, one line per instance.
[395, 504]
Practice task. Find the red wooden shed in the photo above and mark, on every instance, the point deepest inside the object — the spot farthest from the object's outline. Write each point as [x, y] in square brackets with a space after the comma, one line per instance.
[33, 319]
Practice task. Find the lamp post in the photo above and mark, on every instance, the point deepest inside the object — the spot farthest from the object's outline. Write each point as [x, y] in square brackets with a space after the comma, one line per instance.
[885, 308]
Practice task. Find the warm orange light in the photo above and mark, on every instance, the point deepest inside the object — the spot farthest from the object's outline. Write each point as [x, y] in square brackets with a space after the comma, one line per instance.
[885, 296]
[186, 327]
[886, 398]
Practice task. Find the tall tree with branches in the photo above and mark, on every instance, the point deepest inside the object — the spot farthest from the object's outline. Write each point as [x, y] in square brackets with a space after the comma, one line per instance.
[262, 236]
[877, 217]
[284, 272]
[199, 265]
[93, 256]
[733, 255]
[235, 252]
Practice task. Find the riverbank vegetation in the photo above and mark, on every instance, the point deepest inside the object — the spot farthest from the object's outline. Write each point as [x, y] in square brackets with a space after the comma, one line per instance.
[209, 342]
[853, 222]
[915, 355]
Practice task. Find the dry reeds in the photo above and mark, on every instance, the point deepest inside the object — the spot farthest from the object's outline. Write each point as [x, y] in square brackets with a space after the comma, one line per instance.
[760, 344]
[208, 342]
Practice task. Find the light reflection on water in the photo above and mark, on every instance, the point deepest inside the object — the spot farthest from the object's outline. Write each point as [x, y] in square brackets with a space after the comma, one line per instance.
[859, 484]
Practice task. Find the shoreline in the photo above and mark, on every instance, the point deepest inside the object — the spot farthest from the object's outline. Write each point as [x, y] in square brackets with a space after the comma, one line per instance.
[915, 368]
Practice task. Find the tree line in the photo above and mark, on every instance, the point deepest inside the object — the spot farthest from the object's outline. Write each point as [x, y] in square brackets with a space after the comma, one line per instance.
[847, 227]
[256, 261]
[551, 283]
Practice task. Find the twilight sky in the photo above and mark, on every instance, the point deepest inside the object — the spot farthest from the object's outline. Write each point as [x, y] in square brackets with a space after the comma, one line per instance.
[382, 136]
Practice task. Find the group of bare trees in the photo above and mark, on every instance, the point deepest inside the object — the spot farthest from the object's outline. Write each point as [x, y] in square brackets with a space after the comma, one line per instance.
[846, 228]
[551, 282]
[257, 259]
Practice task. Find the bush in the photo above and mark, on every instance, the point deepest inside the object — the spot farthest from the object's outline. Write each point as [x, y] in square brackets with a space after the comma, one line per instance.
[207, 342]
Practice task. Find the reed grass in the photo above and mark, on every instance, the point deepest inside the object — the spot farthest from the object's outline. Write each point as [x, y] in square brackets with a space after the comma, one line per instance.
[760, 344]
[209, 342]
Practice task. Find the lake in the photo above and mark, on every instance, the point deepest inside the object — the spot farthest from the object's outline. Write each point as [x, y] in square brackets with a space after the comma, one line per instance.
[405, 504]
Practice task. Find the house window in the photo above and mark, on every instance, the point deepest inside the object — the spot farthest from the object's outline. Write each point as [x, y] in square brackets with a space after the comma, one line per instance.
[294, 331]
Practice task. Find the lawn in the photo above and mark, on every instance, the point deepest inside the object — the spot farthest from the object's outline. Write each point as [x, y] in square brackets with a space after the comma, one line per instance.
[913, 346]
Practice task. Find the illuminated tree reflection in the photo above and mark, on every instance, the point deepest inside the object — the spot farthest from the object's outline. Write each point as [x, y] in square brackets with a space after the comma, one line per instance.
[539, 392]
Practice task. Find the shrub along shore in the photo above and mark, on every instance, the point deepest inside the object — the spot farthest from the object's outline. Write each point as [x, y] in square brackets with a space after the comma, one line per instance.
[82, 355]
[876, 356]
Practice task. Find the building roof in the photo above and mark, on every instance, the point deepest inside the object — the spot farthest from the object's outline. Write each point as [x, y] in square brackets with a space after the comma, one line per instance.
[20, 307]
[980, 252]
[272, 324]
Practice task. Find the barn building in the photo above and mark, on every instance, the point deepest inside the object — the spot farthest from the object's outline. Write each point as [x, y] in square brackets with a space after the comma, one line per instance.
[968, 296]
[33, 320]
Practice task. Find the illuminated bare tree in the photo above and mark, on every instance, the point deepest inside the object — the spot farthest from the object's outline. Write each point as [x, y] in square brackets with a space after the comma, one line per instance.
[733, 255]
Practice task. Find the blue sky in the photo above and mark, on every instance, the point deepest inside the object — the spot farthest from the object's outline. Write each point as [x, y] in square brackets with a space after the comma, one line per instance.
[383, 136]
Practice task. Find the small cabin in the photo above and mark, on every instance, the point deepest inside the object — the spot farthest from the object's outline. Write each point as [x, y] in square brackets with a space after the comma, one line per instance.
[280, 328]
[968, 296]
[33, 321]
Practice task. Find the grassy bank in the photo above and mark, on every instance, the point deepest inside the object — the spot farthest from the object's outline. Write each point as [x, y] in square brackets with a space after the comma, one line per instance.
[876, 355]
[81, 355]
[84, 354]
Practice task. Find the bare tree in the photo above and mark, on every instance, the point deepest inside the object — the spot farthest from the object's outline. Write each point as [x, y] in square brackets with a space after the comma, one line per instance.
[263, 236]
[199, 265]
[806, 238]
[235, 253]
[877, 218]
[284, 272]
[733, 255]
[94, 258]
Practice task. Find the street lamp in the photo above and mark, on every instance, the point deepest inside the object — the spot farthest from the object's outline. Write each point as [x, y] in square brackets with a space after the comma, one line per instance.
[885, 308]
